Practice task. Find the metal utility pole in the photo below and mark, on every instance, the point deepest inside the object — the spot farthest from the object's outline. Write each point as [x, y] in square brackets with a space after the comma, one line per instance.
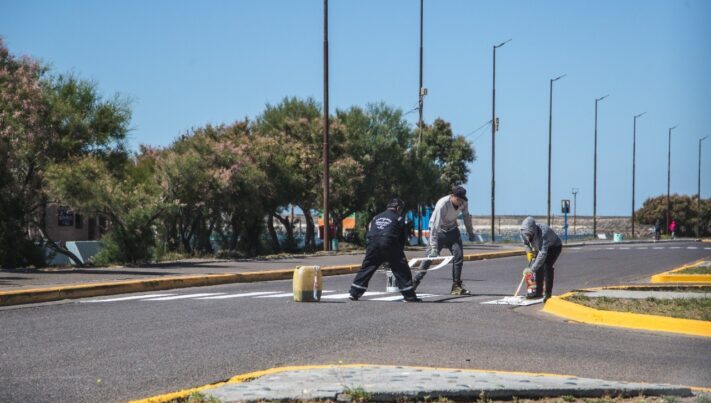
[595, 171]
[634, 163]
[420, 94]
[326, 227]
[494, 129]
[669, 177]
[698, 195]
[575, 208]
[550, 140]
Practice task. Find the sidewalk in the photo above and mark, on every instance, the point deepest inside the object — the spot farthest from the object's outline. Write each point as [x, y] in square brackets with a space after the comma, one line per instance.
[395, 383]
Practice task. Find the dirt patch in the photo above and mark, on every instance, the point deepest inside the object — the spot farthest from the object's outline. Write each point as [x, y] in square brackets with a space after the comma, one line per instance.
[688, 308]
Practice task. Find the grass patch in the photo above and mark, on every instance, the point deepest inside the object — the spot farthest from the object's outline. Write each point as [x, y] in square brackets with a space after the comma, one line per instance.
[674, 288]
[704, 268]
[687, 308]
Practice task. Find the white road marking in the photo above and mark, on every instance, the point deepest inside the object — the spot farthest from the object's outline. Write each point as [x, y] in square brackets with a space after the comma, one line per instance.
[286, 294]
[675, 247]
[658, 247]
[707, 248]
[625, 248]
[128, 298]
[346, 295]
[186, 296]
[692, 247]
[247, 294]
[641, 248]
[399, 297]
[610, 248]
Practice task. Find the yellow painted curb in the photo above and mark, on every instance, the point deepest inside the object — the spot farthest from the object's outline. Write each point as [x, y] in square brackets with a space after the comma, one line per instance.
[671, 276]
[256, 374]
[569, 310]
[75, 291]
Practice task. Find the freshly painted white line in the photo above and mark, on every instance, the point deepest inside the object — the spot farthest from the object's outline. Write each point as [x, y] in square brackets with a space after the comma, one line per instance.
[692, 247]
[186, 296]
[247, 294]
[399, 297]
[128, 298]
[346, 295]
[707, 248]
[286, 294]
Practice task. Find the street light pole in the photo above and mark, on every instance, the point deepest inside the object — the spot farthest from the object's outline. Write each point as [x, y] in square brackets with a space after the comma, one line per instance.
[595, 171]
[420, 102]
[669, 176]
[634, 164]
[494, 128]
[698, 195]
[550, 138]
[575, 209]
[326, 226]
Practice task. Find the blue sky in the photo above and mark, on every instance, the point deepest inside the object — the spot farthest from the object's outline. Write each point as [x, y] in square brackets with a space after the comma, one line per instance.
[188, 63]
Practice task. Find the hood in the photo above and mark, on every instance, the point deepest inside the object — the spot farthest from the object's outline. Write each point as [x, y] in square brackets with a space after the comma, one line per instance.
[528, 227]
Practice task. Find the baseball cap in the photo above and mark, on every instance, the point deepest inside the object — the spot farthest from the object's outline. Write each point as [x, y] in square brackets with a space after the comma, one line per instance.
[460, 192]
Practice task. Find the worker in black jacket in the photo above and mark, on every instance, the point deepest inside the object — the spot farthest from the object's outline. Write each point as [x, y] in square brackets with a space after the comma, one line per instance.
[386, 241]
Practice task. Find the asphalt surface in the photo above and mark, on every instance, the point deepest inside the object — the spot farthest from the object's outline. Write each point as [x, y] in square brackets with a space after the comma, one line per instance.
[120, 350]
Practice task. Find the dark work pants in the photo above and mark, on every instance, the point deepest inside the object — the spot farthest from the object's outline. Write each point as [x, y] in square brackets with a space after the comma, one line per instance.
[451, 240]
[545, 272]
[379, 251]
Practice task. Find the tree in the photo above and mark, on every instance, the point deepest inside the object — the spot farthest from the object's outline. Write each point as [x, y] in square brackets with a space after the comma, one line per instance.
[132, 201]
[46, 120]
[683, 209]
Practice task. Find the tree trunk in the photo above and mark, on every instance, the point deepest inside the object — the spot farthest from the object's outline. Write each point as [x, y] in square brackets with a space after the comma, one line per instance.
[272, 233]
[234, 223]
[310, 241]
[289, 226]
[51, 244]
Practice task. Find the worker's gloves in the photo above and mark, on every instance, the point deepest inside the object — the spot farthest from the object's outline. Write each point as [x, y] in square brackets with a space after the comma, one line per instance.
[433, 253]
[530, 256]
[472, 237]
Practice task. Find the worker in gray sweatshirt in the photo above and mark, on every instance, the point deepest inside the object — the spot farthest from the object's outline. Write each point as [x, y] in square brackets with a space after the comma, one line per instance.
[444, 233]
[542, 249]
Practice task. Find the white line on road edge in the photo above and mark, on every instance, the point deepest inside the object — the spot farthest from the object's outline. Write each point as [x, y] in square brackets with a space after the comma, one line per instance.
[128, 298]
[204, 294]
[247, 294]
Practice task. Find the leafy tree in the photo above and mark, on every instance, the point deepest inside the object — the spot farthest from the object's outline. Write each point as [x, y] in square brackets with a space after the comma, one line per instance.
[46, 120]
[684, 209]
[132, 202]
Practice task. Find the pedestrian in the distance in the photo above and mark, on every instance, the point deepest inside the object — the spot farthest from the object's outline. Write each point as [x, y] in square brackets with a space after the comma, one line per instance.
[444, 233]
[672, 228]
[386, 243]
[542, 248]
[657, 230]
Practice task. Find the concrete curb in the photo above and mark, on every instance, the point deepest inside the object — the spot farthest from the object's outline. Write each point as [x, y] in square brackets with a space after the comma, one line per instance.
[671, 276]
[558, 306]
[495, 384]
[57, 293]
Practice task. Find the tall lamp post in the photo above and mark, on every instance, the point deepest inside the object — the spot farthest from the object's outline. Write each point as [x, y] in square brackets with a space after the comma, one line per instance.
[575, 208]
[634, 164]
[326, 226]
[421, 91]
[669, 176]
[494, 129]
[550, 138]
[698, 195]
[595, 171]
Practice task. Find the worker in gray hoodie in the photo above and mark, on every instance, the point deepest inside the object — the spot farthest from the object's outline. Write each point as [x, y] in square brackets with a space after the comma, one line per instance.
[542, 249]
[444, 233]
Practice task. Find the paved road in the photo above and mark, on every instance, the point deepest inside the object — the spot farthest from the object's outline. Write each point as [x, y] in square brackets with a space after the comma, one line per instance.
[88, 350]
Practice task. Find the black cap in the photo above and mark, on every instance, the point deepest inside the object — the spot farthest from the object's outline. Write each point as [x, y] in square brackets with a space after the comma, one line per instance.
[460, 192]
[396, 203]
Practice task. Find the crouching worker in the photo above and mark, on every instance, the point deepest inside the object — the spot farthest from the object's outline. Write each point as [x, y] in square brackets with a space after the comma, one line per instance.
[542, 249]
[386, 241]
